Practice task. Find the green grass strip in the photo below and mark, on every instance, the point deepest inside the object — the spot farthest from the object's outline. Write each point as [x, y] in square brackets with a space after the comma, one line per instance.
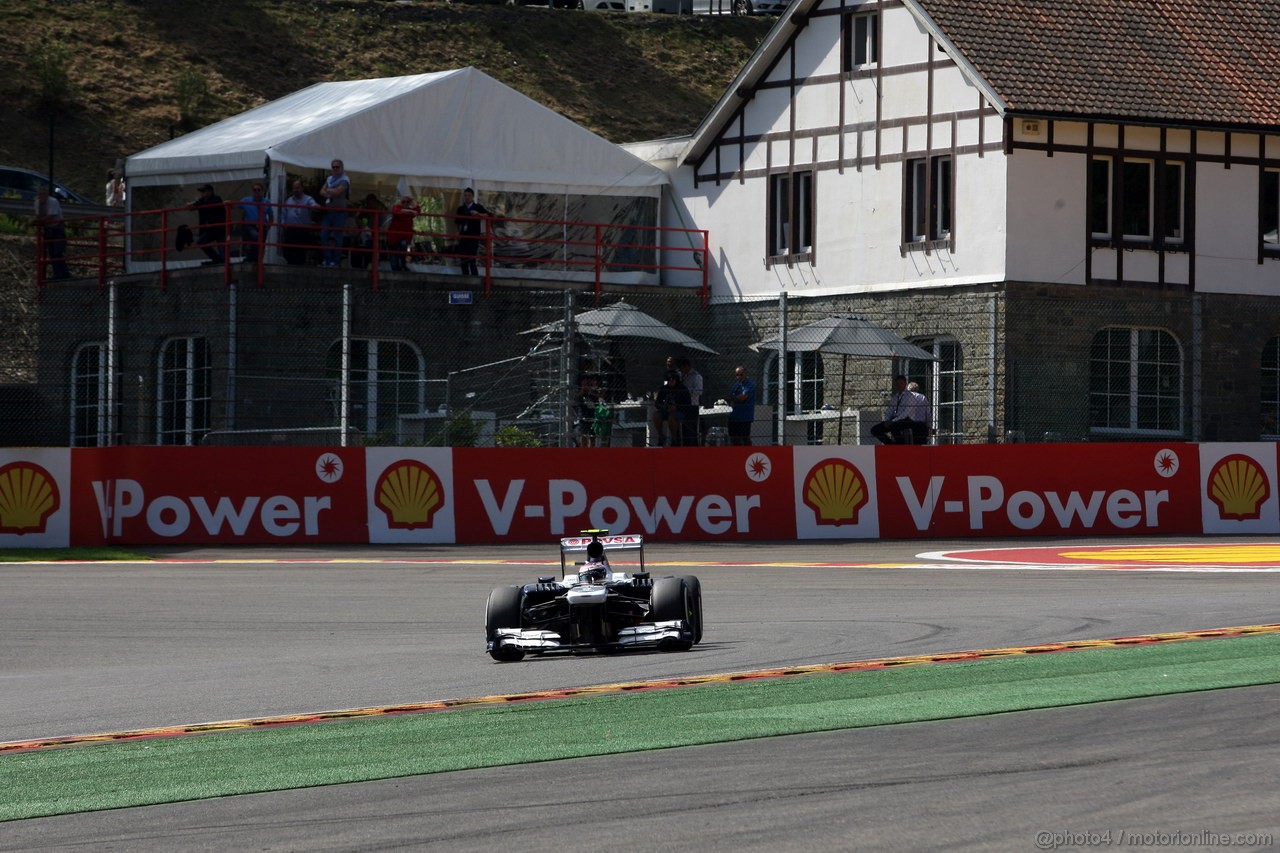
[62, 781]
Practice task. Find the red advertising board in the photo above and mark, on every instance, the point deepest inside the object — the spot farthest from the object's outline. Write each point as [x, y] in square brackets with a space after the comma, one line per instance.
[194, 495]
[706, 493]
[1038, 490]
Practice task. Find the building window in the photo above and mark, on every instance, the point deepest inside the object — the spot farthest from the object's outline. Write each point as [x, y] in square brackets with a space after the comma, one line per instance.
[861, 40]
[387, 380]
[928, 204]
[183, 397]
[1146, 206]
[1172, 201]
[1100, 197]
[806, 388]
[790, 214]
[1270, 398]
[942, 381]
[1135, 382]
[1270, 210]
[1135, 206]
[92, 424]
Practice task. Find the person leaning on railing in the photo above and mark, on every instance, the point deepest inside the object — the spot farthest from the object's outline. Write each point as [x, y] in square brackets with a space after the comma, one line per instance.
[213, 224]
[400, 231]
[337, 198]
[295, 216]
[53, 232]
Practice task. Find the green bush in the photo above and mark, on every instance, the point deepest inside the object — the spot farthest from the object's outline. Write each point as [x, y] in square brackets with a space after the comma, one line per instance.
[191, 91]
[514, 436]
[50, 65]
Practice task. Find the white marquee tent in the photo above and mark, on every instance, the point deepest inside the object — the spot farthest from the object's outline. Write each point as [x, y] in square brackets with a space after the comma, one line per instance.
[448, 128]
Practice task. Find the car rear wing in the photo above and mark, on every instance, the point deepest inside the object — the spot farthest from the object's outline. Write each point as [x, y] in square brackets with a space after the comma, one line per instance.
[570, 546]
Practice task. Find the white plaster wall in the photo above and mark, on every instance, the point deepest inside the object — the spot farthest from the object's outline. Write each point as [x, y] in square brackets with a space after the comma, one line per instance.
[1227, 232]
[1047, 210]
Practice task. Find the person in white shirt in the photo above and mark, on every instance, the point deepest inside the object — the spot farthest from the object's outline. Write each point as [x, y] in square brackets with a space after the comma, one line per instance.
[906, 420]
[692, 381]
[114, 189]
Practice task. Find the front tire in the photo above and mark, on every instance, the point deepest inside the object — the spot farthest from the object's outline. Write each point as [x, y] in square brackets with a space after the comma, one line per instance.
[505, 609]
[670, 601]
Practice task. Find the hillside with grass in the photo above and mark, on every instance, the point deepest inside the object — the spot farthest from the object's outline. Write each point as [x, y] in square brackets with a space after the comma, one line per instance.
[104, 79]
[119, 77]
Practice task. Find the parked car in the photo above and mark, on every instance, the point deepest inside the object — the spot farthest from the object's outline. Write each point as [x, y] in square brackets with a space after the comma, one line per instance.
[19, 183]
[717, 7]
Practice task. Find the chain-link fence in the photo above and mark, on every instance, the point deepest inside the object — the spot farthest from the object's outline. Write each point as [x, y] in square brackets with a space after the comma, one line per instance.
[317, 357]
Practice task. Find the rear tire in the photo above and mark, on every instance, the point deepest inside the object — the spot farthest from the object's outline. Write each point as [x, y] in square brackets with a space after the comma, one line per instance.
[670, 601]
[695, 600]
[505, 609]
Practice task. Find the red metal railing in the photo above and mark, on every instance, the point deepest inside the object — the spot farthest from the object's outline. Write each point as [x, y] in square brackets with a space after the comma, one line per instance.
[104, 245]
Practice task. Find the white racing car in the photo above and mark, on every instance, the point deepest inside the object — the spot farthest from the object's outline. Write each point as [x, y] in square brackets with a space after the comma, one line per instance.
[592, 607]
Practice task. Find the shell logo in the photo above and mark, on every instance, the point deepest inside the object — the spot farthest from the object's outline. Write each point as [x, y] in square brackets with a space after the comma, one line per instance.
[28, 496]
[410, 493]
[1239, 487]
[835, 490]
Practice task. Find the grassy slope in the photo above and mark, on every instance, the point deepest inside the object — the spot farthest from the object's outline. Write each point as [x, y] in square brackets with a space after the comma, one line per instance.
[626, 77]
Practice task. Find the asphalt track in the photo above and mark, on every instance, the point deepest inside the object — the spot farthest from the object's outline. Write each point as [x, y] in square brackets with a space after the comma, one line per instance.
[229, 635]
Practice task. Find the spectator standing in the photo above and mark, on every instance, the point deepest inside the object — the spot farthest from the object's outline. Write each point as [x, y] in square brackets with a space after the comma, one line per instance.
[588, 402]
[54, 232]
[906, 418]
[470, 230]
[213, 224]
[742, 400]
[692, 381]
[400, 231]
[336, 193]
[295, 215]
[669, 407]
[114, 189]
[360, 252]
[255, 221]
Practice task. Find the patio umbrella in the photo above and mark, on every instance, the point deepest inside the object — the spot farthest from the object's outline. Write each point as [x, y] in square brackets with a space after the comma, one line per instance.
[622, 320]
[846, 335]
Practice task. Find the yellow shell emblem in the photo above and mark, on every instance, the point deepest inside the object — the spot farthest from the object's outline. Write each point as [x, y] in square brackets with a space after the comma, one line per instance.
[410, 494]
[1239, 487]
[835, 491]
[28, 496]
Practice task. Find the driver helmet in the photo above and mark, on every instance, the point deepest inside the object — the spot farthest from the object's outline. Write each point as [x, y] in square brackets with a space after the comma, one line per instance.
[596, 567]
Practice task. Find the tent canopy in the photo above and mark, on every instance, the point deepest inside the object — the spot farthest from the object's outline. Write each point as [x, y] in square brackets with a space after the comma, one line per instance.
[444, 128]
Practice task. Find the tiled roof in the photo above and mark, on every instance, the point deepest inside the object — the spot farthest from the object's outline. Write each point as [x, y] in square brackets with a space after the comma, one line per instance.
[1198, 61]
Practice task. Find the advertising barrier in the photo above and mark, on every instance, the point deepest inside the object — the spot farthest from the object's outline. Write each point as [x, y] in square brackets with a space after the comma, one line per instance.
[56, 497]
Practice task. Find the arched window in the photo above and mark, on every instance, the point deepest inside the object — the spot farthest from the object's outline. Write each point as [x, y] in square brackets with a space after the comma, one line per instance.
[92, 421]
[183, 394]
[387, 380]
[1135, 382]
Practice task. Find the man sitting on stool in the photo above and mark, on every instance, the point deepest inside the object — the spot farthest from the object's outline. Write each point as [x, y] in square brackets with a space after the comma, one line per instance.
[907, 419]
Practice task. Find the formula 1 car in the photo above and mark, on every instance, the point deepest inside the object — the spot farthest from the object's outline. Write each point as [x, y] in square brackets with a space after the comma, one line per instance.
[594, 608]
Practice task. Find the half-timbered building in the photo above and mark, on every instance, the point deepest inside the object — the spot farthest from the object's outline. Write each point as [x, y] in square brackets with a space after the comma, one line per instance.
[1073, 204]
